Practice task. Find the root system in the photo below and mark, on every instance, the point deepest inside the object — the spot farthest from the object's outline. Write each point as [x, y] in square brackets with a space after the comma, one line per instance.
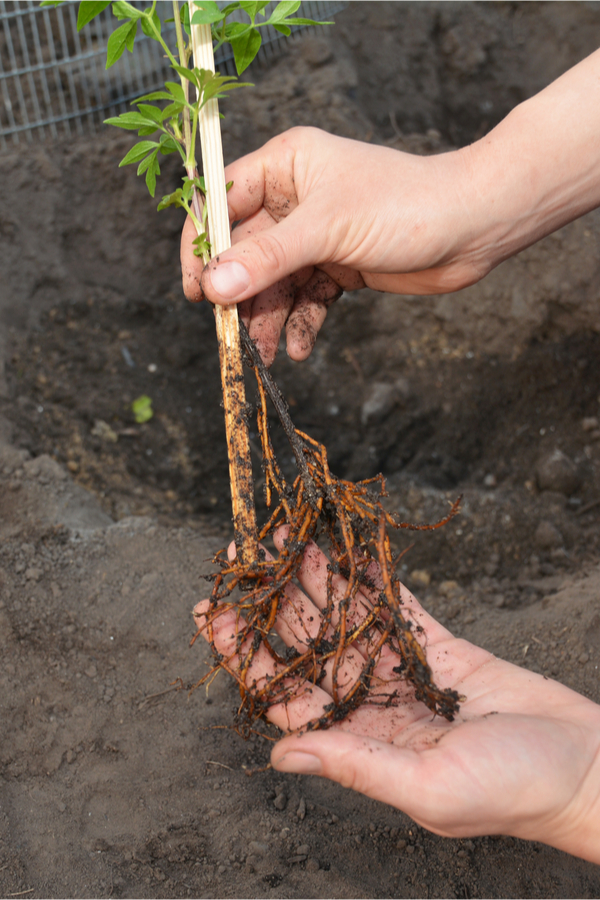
[351, 520]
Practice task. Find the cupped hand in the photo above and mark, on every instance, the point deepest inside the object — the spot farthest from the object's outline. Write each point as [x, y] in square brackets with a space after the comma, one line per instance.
[521, 758]
[320, 214]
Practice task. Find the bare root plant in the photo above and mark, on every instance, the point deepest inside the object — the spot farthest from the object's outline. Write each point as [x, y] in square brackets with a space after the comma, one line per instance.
[351, 519]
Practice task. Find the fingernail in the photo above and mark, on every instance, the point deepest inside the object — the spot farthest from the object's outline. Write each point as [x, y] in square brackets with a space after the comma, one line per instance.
[230, 279]
[301, 763]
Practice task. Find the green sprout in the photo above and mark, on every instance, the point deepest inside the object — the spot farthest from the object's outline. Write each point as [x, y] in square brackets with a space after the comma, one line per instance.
[142, 409]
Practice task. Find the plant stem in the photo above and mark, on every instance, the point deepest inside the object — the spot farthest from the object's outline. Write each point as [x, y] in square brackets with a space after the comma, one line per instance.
[226, 318]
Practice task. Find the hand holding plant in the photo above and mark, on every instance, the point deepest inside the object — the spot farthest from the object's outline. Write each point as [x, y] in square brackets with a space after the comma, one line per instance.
[522, 757]
[370, 215]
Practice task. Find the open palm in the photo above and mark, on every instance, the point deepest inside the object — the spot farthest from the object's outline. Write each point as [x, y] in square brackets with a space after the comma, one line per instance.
[521, 757]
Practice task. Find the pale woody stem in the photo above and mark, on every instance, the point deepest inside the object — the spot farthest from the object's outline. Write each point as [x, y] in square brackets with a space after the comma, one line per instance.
[226, 318]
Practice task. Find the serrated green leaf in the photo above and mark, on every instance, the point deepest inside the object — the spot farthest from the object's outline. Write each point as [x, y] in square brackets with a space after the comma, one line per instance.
[88, 10]
[283, 9]
[123, 10]
[138, 151]
[120, 39]
[207, 12]
[131, 121]
[245, 47]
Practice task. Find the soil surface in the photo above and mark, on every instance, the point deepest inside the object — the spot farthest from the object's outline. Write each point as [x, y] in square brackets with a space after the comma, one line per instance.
[115, 783]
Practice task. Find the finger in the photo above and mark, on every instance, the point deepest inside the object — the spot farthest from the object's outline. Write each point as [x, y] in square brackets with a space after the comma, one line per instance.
[191, 266]
[372, 767]
[298, 623]
[313, 575]
[269, 310]
[443, 800]
[348, 279]
[309, 313]
[262, 259]
[305, 703]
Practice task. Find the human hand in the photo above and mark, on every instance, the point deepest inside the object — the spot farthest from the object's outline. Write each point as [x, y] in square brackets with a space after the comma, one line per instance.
[321, 214]
[521, 758]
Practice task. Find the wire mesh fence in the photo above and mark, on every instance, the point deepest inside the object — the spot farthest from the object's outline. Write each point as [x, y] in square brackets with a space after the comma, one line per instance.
[52, 78]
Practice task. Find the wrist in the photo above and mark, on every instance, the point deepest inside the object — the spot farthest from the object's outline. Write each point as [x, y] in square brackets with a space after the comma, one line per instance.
[538, 169]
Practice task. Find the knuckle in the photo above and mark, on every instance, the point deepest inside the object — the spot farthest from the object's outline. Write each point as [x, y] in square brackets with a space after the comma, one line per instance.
[272, 252]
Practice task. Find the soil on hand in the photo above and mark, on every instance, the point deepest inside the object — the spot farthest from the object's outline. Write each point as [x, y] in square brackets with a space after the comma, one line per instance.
[115, 781]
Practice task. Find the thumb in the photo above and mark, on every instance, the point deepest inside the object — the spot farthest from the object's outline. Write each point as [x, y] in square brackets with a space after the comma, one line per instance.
[375, 768]
[261, 260]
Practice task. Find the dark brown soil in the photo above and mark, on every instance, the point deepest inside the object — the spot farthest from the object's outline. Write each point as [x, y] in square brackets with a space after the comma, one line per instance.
[112, 782]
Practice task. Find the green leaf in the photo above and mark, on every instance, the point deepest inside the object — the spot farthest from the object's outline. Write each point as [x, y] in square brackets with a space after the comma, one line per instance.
[123, 10]
[52, 2]
[168, 144]
[152, 169]
[185, 18]
[214, 85]
[231, 7]
[284, 9]
[245, 48]
[176, 90]
[283, 29]
[88, 10]
[173, 199]
[157, 95]
[253, 7]
[186, 73]
[173, 109]
[131, 121]
[138, 151]
[202, 245]
[295, 21]
[146, 162]
[207, 13]
[147, 28]
[142, 409]
[151, 112]
[120, 39]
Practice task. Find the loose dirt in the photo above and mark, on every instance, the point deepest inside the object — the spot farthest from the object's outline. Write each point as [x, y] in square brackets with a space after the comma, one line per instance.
[113, 781]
